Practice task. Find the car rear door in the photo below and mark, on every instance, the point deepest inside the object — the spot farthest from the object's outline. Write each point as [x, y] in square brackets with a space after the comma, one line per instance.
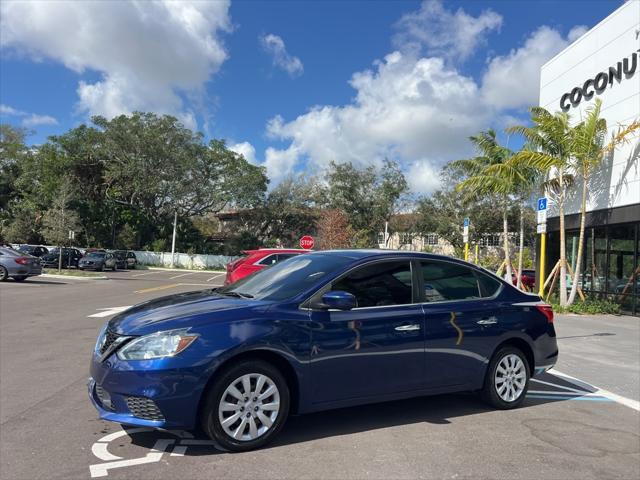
[376, 348]
[461, 322]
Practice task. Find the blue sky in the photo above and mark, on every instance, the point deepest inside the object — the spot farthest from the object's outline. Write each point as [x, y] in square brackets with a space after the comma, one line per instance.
[291, 85]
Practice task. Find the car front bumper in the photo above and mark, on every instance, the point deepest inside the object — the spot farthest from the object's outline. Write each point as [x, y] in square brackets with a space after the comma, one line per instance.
[162, 393]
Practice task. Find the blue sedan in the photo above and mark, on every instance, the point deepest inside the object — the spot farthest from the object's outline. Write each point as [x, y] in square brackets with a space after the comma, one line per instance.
[319, 331]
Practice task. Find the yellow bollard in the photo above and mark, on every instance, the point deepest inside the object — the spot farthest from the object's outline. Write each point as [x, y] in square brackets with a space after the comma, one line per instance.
[543, 247]
[466, 251]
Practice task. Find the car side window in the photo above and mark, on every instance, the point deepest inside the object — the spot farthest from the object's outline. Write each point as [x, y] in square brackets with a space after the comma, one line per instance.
[269, 260]
[379, 284]
[444, 281]
[284, 256]
[488, 286]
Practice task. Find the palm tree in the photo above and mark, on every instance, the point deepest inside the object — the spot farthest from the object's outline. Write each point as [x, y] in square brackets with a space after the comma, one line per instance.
[525, 187]
[491, 172]
[550, 143]
[588, 150]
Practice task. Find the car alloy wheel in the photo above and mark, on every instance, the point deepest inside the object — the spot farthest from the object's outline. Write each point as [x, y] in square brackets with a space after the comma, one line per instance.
[507, 378]
[249, 407]
[246, 406]
[4, 274]
[510, 378]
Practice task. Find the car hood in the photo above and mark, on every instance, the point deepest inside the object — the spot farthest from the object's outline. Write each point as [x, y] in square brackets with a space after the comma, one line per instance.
[182, 310]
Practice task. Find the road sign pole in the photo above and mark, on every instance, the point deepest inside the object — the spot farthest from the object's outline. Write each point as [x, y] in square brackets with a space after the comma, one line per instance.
[543, 249]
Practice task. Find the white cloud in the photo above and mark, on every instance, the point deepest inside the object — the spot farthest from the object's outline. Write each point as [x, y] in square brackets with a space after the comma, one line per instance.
[513, 80]
[576, 32]
[28, 119]
[416, 109]
[149, 54]
[245, 149]
[452, 35]
[274, 45]
[9, 111]
[34, 120]
[280, 163]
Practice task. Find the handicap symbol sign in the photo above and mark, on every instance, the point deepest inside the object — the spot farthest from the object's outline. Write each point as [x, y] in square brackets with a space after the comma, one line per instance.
[542, 203]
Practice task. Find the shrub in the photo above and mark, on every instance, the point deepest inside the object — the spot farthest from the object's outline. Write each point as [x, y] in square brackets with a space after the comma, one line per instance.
[589, 307]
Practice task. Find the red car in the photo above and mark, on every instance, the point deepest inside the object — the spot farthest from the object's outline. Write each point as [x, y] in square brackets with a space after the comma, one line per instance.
[254, 260]
[528, 278]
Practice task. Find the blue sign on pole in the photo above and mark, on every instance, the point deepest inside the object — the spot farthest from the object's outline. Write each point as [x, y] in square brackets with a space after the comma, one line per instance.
[542, 203]
[466, 222]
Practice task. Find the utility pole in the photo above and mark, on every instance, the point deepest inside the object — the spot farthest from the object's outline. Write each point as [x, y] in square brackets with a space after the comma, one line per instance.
[173, 241]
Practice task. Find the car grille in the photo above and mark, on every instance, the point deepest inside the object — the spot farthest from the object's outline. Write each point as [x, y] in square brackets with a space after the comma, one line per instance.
[110, 337]
[144, 408]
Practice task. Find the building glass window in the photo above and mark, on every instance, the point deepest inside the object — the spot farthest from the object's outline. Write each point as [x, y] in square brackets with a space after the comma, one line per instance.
[406, 239]
[490, 241]
[431, 239]
[593, 277]
[622, 266]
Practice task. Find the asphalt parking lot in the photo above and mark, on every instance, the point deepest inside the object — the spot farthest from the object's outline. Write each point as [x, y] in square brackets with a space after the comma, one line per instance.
[48, 429]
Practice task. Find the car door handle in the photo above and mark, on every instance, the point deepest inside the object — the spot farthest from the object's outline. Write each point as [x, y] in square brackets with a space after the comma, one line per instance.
[408, 328]
[487, 321]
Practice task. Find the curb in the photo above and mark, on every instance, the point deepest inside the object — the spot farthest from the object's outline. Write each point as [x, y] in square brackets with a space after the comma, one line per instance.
[163, 269]
[72, 277]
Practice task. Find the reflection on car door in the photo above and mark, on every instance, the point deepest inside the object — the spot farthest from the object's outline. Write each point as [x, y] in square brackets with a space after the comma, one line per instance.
[460, 318]
[376, 348]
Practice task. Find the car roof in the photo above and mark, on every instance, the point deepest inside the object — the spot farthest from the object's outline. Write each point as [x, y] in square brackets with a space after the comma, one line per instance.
[269, 251]
[372, 253]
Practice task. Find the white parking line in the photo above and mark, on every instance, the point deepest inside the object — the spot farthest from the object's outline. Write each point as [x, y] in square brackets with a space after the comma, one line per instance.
[178, 276]
[142, 274]
[215, 276]
[627, 402]
[108, 311]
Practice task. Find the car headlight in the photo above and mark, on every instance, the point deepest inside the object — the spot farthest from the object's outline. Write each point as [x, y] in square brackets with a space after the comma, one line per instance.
[157, 345]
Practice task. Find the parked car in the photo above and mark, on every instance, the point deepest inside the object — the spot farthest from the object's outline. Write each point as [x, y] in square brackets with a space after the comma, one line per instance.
[33, 250]
[255, 260]
[319, 331]
[17, 265]
[132, 261]
[70, 258]
[121, 258]
[98, 261]
[528, 278]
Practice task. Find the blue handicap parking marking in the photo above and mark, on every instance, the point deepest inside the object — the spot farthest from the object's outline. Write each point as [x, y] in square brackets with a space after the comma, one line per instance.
[551, 387]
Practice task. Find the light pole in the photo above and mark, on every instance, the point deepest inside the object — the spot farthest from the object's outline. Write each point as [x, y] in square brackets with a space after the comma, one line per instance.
[173, 241]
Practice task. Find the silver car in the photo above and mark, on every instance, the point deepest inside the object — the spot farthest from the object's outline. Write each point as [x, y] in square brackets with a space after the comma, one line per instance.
[17, 265]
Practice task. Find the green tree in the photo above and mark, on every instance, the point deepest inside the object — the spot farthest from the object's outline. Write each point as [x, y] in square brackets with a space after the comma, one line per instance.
[550, 149]
[588, 149]
[60, 219]
[369, 196]
[491, 173]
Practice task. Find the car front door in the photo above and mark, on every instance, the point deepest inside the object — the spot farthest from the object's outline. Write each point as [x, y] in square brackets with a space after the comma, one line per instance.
[461, 322]
[376, 348]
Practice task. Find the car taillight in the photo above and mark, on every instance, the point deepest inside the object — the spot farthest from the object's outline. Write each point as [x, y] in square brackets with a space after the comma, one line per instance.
[22, 260]
[547, 311]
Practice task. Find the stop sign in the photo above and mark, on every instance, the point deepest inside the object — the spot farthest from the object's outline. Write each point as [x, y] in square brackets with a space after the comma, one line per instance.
[307, 242]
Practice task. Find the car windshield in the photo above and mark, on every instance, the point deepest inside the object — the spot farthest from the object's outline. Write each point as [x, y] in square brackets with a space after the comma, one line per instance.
[288, 278]
[26, 248]
[95, 255]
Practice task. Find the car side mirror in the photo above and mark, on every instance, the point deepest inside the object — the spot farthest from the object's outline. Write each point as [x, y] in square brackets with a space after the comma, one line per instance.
[339, 300]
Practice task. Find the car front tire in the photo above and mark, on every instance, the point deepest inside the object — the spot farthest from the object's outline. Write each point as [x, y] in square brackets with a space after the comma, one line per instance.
[507, 379]
[246, 407]
[4, 274]
[20, 278]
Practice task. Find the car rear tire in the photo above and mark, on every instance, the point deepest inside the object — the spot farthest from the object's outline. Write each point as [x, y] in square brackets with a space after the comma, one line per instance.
[20, 278]
[101, 268]
[246, 407]
[4, 274]
[507, 379]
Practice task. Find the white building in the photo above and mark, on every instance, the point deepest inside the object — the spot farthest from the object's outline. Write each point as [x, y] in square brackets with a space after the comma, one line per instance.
[604, 63]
